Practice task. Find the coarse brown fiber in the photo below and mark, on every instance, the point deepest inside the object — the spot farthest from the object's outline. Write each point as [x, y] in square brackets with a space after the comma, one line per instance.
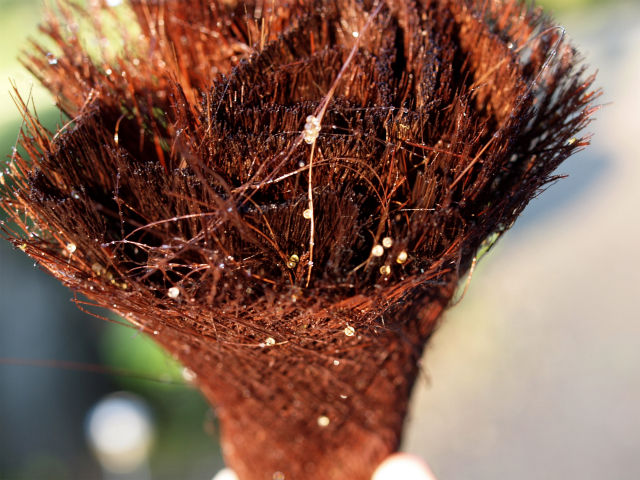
[285, 195]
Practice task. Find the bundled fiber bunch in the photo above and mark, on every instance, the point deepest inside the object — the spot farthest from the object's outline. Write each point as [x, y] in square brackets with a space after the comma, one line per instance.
[286, 194]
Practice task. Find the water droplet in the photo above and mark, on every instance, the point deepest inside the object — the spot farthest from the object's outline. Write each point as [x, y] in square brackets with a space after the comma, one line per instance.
[156, 332]
[387, 242]
[52, 59]
[307, 213]
[336, 362]
[402, 257]
[377, 251]
[355, 34]
[344, 397]
[349, 331]
[114, 3]
[71, 247]
[108, 71]
[323, 421]
[270, 341]
[173, 292]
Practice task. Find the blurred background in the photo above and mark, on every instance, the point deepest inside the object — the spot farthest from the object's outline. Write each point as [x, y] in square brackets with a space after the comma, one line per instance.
[536, 374]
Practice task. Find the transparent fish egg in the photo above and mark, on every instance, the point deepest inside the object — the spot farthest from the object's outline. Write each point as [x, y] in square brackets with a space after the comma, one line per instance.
[323, 421]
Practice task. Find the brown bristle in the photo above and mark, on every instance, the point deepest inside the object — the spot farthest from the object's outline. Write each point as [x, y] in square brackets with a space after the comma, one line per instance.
[285, 195]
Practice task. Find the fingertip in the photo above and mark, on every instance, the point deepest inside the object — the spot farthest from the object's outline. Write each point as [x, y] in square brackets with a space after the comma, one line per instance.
[403, 466]
[225, 474]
